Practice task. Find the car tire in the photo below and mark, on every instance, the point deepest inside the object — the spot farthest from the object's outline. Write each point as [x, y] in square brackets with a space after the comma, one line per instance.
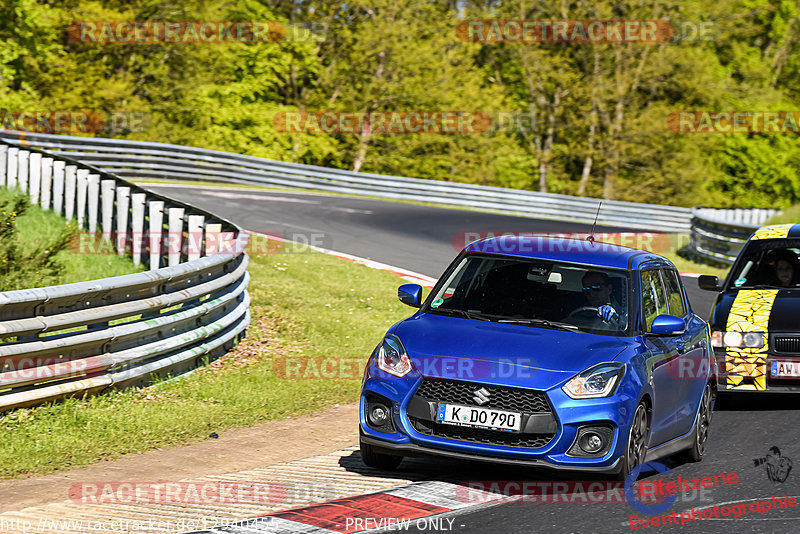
[372, 457]
[701, 426]
[636, 448]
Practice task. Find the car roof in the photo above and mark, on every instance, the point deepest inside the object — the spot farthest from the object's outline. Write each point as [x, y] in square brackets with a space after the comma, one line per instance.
[777, 231]
[566, 249]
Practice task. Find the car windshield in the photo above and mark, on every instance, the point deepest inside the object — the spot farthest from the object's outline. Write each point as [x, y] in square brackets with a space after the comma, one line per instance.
[767, 263]
[536, 293]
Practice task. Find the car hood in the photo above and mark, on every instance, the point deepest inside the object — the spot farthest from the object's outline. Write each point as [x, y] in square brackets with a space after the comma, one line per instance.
[771, 310]
[457, 348]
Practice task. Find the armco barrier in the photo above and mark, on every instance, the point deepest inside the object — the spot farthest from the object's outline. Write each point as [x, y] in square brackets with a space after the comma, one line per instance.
[141, 160]
[82, 338]
[718, 235]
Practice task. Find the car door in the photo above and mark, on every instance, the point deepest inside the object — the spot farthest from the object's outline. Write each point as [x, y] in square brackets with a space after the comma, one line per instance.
[692, 363]
[662, 361]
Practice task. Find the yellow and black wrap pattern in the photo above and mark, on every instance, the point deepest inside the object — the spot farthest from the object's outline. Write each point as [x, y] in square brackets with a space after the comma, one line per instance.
[780, 231]
[746, 368]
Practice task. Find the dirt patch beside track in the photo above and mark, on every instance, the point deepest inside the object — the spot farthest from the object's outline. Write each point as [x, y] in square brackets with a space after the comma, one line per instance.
[235, 450]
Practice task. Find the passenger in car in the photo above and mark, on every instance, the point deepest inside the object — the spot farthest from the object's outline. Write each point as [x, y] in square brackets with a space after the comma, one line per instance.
[783, 267]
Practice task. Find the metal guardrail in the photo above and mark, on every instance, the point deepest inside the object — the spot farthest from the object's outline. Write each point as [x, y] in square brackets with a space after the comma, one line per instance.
[82, 338]
[141, 160]
[718, 235]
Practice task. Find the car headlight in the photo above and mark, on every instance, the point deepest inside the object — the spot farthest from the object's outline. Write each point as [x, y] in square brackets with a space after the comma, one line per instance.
[392, 357]
[595, 382]
[748, 340]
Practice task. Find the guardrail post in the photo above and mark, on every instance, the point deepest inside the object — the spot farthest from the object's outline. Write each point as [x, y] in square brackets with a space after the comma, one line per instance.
[137, 226]
[83, 186]
[47, 182]
[22, 169]
[213, 233]
[35, 173]
[175, 236]
[3, 164]
[13, 166]
[195, 247]
[123, 204]
[58, 186]
[70, 181]
[93, 194]
[156, 213]
[107, 192]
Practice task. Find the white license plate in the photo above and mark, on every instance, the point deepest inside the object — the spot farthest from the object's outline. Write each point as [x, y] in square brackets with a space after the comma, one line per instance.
[785, 369]
[457, 414]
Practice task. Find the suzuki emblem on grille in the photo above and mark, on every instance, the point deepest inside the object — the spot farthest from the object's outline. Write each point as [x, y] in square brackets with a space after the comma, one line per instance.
[481, 396]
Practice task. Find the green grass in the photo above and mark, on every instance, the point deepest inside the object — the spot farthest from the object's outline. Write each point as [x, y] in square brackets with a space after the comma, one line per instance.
[677, 244]
[304, 304]
[43, 257]
[790, 215]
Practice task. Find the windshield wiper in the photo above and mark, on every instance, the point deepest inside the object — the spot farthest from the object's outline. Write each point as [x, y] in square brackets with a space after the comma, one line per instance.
[540, 322]
[462, 313]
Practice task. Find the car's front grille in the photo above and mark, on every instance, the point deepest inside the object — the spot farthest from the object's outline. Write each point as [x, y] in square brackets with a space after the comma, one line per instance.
[480, 435]
[500, 398]
[790, 344]
[524, 401]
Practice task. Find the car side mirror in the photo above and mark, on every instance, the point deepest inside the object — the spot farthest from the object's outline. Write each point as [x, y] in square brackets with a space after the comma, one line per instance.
[410, 294]
[667, 325]
[709, 282]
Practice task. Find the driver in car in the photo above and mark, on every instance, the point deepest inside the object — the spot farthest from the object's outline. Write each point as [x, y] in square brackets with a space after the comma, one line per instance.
[597, 290]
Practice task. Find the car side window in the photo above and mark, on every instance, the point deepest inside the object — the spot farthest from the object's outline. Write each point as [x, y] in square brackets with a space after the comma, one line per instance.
[674, 293]
[654, 302]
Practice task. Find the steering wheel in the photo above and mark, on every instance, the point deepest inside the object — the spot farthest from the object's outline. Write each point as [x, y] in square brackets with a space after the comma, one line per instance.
[584, 311]
[589, 314]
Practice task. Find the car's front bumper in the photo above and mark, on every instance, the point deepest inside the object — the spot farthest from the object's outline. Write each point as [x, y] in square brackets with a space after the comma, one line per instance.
[757, 376]
[560, 428]
[411, 449]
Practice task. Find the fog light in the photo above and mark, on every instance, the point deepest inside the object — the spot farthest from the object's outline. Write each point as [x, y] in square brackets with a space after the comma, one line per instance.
[378, 415]
[591, 442]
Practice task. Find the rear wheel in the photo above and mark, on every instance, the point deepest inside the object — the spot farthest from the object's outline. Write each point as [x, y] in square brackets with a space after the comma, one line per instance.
[636, 450]
[697, 450]
[372, 456]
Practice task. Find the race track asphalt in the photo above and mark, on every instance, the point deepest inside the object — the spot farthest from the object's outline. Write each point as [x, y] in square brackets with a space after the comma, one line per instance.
[425, 239]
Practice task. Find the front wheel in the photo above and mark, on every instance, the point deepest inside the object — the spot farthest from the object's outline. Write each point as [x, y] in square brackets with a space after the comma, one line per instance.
[636, 450]
[374, 458]
[697, 450]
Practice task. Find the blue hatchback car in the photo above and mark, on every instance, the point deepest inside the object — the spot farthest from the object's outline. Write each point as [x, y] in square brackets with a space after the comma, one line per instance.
[543, 352]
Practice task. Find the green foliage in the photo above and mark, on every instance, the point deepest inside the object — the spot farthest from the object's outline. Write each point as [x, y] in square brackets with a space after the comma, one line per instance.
[35, 251]
[26, 262]
[595, 115]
